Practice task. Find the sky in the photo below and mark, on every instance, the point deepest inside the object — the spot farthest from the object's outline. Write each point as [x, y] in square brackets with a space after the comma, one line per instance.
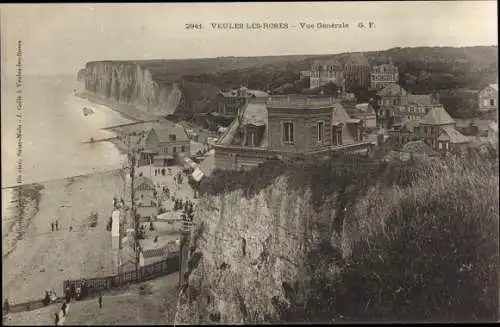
[61, 38]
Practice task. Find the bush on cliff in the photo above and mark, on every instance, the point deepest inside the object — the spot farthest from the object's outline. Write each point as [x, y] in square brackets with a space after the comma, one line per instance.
[430, 252]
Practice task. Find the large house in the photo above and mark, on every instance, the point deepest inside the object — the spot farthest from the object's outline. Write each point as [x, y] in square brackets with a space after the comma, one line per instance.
[394, 101]
[383, 75]
[357, 72]
[488, 100]
[327, 71]
[288, 127]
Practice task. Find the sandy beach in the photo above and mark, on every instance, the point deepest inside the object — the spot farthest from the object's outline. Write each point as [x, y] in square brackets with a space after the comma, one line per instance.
[44, 259]
[127, 111]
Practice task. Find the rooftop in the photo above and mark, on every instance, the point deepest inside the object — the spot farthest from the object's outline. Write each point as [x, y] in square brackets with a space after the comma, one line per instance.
[301, 102]
[437, 116]
[494, 86]
[253, 113]
[164, 131]
[453, 135]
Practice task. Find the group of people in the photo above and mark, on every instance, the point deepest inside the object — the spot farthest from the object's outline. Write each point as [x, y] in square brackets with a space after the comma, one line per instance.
[186, 205]
[159, 172]
[54, 224]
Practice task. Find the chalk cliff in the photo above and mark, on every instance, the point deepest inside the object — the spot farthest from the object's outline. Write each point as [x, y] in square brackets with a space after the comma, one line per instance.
[269, 244]
[254, 247]
[133, 84]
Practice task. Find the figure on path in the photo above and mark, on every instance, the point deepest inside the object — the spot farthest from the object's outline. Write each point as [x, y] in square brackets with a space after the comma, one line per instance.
[63, 308]
[100, 300]
[56, 318]
[52, 225]
[57, 225]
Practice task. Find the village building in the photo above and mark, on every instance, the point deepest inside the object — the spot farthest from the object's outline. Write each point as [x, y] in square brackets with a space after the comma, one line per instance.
[327, 71]
[145, 198]
[394, 101]
[392, 96]
[488, 101]
[230, 102]
[383, 75]
[288, 127]
[437, 129]
[163, 145]
[357, 72]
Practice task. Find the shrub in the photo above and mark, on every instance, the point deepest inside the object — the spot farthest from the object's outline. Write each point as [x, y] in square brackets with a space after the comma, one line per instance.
[429, 254]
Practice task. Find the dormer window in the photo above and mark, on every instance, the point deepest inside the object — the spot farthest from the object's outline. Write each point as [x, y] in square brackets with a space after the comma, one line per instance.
[251, 138]
[172, 137]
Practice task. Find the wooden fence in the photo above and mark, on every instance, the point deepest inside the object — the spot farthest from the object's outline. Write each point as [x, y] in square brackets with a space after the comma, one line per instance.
[154, 270]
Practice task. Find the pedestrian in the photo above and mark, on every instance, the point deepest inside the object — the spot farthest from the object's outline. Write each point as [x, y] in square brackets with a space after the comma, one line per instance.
[56, 318]
[70, 228]
[57, 225]
[100, 300]
[52, 225]
[63, 308]
[6, 305]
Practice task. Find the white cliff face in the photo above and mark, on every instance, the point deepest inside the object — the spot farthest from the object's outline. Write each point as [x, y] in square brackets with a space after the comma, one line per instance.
[130, 83]
[249, 247]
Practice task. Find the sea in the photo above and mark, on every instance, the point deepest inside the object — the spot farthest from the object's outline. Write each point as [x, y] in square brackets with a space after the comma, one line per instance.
[53, 131]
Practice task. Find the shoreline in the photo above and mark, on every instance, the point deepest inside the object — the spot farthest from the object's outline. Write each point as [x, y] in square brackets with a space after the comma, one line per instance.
[126, 110]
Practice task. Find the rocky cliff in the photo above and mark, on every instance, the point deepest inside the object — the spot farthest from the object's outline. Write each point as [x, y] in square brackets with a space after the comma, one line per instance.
[264, 239]
[133, 84]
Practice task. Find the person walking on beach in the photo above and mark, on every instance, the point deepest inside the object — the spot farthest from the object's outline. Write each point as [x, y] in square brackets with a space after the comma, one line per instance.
[63, 308]
[100, 300]
[52, 225]
[57, 225]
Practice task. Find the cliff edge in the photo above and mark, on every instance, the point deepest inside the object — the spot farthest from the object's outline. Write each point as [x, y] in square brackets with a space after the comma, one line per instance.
[132, 83]
[322, 243]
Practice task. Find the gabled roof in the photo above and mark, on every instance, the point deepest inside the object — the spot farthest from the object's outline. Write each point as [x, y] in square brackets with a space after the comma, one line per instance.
[163, 133]
[422, 99]
[494, 86]
[143, 180]
[392, 89]
[451, 134]
[437, 116]
[339, 114]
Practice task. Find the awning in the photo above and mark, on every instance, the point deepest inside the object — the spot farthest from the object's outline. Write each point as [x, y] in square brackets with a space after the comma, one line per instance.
[197, 174]
[190, 163]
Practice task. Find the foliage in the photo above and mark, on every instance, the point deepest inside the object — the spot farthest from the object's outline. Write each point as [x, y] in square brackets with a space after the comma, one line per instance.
[431, 252]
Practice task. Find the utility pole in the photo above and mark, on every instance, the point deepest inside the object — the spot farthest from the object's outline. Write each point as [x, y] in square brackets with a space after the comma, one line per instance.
[131, 157]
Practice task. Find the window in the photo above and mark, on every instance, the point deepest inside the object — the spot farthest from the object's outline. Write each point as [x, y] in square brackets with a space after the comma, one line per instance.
[251, 138]
[172, 137]
[183, 148]
[492, 102]
[288, 132]
[337, 136]
[485, 102]
[175, 149]
[320, 131]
